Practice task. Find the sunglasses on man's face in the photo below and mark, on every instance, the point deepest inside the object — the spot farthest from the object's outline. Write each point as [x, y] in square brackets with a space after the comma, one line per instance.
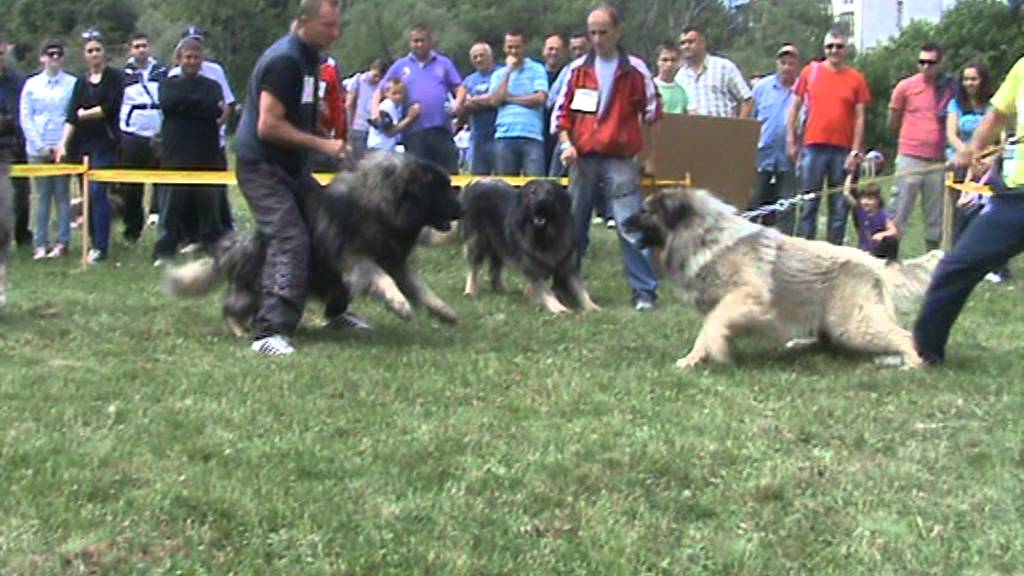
[834, 46]
[924, 62]
[55, 53]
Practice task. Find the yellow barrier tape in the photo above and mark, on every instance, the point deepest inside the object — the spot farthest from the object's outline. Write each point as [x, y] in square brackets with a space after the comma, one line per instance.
[212, 177]
[972, 188]
[131, 176]
[38, 170]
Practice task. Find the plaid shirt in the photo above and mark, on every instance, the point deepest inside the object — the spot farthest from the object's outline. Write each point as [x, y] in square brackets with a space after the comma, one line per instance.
[717, 90]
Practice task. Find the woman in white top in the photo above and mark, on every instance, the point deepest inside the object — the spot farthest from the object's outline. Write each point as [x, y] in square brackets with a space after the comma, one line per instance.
[44, 103]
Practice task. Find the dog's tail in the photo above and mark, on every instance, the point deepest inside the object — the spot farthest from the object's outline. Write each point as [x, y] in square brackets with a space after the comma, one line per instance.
[909, 279]
[199, 277]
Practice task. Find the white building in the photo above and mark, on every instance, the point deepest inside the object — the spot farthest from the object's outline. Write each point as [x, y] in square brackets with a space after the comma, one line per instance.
[872, 22]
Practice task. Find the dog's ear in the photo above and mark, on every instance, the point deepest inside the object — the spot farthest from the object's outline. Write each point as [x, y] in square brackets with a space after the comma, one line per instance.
[673, 207]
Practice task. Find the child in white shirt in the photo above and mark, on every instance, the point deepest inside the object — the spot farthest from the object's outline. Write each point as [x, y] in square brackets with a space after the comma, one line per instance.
[393, 119]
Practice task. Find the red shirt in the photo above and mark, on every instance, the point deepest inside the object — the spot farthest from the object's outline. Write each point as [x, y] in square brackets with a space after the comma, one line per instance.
[923, 130]
[331, 119]
[832, 97]
[616, 132]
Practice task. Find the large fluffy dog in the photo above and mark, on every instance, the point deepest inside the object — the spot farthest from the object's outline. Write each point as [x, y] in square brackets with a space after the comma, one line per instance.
[530, 228]
[364, 226]
[744, 277]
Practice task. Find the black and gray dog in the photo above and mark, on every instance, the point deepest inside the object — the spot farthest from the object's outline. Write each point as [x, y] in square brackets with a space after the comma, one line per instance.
[530, 228]
[363, 226]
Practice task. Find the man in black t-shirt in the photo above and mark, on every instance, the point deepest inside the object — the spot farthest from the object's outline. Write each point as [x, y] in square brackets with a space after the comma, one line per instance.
[274, 136]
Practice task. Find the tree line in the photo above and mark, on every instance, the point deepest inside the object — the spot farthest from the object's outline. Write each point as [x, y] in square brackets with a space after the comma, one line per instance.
[991, 31]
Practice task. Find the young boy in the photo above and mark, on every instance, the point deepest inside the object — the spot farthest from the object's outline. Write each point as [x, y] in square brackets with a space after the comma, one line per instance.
[876, 230]
[673, 96]
[393, 119]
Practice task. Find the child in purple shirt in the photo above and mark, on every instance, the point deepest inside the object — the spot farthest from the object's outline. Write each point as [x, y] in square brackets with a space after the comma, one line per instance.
[876, 231]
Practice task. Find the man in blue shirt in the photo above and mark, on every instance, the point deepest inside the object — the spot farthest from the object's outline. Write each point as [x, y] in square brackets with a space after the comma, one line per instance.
[775, 172]
[474, 101]
[519, 91]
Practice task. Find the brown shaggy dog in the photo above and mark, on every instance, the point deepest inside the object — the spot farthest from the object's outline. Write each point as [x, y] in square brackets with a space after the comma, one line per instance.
[746, 278]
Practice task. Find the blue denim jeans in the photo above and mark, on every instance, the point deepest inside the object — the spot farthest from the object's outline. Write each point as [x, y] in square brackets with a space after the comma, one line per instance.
[990, 240]
[620, 181]
[481, 158]
[515, 156]
[55, 189]
[817, 162]
[100, 212]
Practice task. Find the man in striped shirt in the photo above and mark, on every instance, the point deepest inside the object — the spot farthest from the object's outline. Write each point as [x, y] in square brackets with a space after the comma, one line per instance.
[714, 85]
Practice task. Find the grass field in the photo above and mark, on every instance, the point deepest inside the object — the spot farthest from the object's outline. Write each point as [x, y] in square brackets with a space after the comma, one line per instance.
[139, 437]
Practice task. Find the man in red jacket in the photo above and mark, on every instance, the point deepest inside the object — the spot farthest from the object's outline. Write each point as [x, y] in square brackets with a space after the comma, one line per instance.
[608, 94]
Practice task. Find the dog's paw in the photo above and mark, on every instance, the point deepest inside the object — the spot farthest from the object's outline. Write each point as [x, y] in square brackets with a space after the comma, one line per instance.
[401, 308]
[556, 308]
[470, 291]
[236, 327]
[591, 307]
[445, 314]
[690, 361]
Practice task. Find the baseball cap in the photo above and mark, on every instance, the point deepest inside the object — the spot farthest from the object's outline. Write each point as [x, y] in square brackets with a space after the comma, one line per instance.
[788, 49]
[194, 31]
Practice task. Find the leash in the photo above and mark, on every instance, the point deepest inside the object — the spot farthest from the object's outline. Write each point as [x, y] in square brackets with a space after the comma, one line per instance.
[787, 203]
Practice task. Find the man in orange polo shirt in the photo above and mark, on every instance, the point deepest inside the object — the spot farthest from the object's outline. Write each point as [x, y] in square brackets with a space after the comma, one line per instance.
[833, 138]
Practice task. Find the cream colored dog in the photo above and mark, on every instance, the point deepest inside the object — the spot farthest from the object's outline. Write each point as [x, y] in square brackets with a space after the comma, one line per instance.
[744, 277]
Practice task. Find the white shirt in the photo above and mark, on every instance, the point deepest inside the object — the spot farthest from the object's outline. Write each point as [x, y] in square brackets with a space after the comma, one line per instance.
[44, 105]
[377, 140]
[138, 115]
[716, 90]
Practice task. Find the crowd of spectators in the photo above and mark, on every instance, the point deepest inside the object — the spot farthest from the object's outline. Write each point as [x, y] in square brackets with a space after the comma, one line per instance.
[575, 110]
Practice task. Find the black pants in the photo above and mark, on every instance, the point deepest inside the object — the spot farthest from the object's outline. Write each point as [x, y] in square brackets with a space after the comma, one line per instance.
[22, 195]
[436, 145]
[135, 152]
[189, 223]
[771, 186]
[277, 202]
[197, 203]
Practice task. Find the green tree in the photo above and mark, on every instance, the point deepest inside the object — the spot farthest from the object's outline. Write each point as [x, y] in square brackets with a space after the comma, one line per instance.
[771, 23]
[975, 30]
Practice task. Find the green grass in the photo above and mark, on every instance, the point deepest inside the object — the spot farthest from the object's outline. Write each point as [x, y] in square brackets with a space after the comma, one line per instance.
[139, 437]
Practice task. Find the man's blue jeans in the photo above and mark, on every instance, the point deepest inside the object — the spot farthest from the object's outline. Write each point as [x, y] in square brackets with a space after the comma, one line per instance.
[990, 240]
[55, 190]
[481, 162]
[817, 162]
[515, 156]
[620, 181]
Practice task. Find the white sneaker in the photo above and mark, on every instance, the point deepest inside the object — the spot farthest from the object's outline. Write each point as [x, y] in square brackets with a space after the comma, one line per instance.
[97, 255]
[153, 220]
[597, 220]
[274, 345]
[39, 253]
[349, 321]
[994, 278]
[610, 223]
